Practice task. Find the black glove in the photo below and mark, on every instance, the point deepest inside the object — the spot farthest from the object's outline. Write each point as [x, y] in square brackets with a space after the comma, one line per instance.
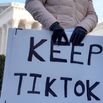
[78, 35]
[58, 34]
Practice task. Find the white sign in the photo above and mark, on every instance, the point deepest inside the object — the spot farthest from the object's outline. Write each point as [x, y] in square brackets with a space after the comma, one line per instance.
[37, 71]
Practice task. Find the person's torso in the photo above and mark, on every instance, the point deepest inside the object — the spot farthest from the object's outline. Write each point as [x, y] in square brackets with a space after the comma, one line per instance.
[68, 12]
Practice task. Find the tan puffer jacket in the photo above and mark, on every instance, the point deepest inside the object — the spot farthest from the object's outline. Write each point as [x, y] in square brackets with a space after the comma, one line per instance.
[69, 13]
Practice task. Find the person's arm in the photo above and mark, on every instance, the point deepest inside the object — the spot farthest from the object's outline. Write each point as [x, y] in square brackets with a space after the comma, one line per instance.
[85, 26]
[37, 9]
[91, 19]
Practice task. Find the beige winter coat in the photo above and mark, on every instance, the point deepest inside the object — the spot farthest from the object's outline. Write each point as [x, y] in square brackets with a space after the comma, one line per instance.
[69, 13]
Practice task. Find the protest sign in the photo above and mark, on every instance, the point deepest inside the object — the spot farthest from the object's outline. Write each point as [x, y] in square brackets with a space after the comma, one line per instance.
[39, 71]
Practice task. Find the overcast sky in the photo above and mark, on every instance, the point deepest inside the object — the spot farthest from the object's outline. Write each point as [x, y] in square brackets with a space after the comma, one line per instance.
[98, 5]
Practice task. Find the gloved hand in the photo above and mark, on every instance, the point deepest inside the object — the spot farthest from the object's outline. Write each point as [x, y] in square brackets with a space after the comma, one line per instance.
[58, 34]
[78, 35]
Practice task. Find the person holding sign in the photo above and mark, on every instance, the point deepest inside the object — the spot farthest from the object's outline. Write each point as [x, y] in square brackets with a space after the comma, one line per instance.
[57, 15]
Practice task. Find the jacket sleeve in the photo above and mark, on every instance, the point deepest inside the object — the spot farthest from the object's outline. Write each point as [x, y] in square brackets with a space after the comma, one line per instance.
[37, 9]
[91, 19]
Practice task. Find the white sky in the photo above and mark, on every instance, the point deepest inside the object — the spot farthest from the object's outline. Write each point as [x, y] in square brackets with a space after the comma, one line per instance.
[98, 5]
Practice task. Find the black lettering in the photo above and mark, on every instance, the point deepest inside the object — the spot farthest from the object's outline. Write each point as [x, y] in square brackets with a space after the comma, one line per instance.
[21, 75]
[32, 49]
[52, 58]
[65, 85]
[5, 101]
[81, 84]
[73, 53]
[93, 52]
[47, 87]
[89, 90]
[35, 76]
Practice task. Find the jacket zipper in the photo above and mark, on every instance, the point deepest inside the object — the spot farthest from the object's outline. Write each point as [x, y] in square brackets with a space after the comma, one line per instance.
[74, 12]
